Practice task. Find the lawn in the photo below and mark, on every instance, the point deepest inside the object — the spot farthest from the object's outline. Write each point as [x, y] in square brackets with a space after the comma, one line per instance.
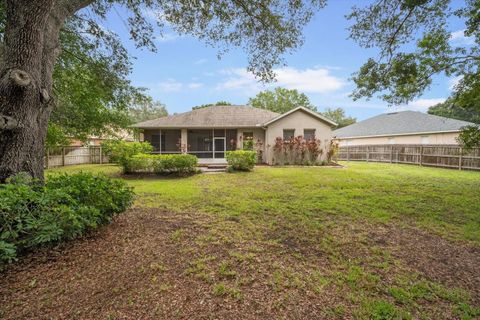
[367, 241]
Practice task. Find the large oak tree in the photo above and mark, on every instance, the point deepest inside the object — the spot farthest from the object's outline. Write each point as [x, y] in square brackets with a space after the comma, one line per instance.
[416, 42]
[31, 45]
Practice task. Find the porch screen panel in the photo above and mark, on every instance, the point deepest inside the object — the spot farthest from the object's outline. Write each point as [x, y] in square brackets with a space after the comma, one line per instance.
[231, 137]
[171, 141]
[200, 143]
[219, 133]
[153, 137]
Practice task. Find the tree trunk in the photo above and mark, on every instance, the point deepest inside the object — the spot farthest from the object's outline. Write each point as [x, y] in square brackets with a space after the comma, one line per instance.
[31, 48]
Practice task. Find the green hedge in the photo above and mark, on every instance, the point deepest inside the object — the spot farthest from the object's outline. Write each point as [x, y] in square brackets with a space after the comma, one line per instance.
[241, 160]
[67, 206]
[180, 164]
[119, 151]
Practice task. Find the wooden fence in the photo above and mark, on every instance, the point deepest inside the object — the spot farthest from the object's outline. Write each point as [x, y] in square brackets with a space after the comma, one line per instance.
[66, 156]
[445, 156]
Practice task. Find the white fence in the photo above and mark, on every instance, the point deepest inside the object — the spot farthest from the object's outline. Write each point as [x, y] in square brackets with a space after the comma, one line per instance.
[67, 156]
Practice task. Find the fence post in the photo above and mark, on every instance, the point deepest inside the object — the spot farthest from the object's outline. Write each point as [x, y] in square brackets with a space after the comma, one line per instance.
[46, 158]
[421, 155]
[348, 153]
[368, 155]
[460, 159]
[391, 154]
[101, 157]
[63, 156]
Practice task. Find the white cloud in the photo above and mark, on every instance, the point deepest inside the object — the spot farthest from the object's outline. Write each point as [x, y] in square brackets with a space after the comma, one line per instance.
[172, 85]
[459, 38]
[200, 61]
[420, 104]
[167, 37]
[314, 80]
[195, 85]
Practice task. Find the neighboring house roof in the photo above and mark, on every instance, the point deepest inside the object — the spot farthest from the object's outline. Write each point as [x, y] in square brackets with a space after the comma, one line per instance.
[224, 117]
[213, 117]
[400, 123]
[310, 112]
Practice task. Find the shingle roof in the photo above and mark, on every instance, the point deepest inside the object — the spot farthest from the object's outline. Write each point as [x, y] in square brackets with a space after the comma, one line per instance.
[400, 123]
[213, 117]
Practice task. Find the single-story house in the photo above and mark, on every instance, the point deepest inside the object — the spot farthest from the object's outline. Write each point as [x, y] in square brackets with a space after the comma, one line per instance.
[405, 127]
[209, 132]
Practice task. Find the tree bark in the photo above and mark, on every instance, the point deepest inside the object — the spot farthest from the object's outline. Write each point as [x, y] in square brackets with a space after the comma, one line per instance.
[21, 82]
[31, 47]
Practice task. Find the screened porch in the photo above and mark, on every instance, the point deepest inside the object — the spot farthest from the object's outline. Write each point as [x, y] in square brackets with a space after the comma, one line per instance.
[203, 143]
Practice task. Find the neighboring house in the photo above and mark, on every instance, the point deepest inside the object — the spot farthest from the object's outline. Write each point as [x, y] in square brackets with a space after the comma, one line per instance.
[209, 132]
[405, 127]
[125, 135]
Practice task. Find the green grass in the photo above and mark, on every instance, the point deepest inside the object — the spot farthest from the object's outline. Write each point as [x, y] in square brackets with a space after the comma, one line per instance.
[444, 201]
[305, 231]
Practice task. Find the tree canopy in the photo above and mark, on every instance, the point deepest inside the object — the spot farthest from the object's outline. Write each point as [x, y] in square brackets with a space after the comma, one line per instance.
[414, 39]
[338, 115]
[147, 110]
[281, 100]
[39, 36]
[218, 103]
[449, 110]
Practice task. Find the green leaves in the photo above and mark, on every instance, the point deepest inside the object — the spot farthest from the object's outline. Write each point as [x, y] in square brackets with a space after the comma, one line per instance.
[281, 100]
[241, 160]
[32, 215]
[178, 164]
[338, 115]
[120, 151]
[414, 40]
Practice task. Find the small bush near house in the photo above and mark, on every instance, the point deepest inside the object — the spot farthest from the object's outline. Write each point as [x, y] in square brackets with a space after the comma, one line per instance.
[179, 164]
[119, 151]
[241, 160]
[67, 206]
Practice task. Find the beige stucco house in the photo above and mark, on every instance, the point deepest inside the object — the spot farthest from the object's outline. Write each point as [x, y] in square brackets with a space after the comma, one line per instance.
[405, 127]
[208, 132]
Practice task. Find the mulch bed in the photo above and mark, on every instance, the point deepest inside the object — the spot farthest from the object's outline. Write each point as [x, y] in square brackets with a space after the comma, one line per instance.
[137, 268]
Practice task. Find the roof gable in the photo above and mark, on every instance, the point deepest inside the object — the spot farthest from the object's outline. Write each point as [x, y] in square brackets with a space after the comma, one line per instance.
[400, 123]
[308, 111]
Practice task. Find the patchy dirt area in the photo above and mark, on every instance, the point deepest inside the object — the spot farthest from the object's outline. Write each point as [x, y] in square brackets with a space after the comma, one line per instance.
[151, 264]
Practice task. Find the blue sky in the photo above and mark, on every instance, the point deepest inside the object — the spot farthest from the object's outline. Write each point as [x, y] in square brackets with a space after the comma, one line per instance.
[184, 72]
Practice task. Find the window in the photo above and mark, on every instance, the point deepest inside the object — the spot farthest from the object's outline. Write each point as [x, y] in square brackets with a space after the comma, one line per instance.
[288, 134]
[231, 137]
[425, 139]
[309, 134]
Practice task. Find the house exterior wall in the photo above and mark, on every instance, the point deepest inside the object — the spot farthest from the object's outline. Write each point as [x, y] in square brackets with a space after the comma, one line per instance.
[432, 138]
[258, 139]
[299, 121]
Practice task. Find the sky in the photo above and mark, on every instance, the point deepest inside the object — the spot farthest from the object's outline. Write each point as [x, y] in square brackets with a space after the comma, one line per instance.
[184, 72]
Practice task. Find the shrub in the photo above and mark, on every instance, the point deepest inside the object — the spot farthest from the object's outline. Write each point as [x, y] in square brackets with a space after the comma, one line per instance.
[242, 160]
[67, 206]
[300, 151]
[179, 164]
[119, 151]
